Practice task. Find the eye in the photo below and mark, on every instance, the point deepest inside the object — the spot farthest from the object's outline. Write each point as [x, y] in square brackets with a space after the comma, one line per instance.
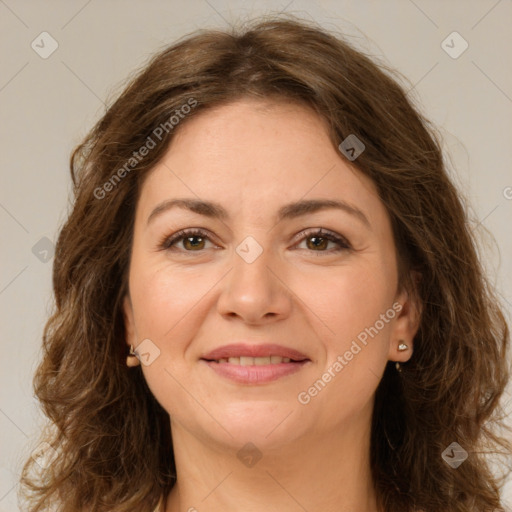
[193, 240]
[320, 239]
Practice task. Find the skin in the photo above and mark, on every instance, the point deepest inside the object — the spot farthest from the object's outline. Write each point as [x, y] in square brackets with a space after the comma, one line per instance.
[253, 158]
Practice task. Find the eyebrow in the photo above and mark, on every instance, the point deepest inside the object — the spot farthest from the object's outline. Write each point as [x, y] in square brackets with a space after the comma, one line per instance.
[289, 211]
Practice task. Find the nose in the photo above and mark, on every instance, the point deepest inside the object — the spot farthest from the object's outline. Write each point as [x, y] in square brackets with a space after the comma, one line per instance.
[255, 292]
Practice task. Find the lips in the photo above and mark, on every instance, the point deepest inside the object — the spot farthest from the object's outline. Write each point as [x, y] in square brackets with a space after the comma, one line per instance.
[254, 364]
[242, 350]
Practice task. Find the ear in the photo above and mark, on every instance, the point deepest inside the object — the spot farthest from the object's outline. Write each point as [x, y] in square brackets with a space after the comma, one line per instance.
[129, 323]
[407, 321]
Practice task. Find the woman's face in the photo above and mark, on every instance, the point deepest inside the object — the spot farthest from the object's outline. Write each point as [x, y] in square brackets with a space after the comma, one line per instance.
[258, 274]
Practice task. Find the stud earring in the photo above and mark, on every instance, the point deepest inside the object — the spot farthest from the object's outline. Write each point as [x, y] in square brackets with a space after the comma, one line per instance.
[401, 347]
[132, 359]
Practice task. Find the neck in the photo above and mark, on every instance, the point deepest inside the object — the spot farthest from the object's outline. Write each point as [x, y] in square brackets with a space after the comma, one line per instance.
[328, 471]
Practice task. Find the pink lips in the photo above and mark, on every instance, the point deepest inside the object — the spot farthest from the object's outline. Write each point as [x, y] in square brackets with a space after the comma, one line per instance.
[242, 349]
[254, 374]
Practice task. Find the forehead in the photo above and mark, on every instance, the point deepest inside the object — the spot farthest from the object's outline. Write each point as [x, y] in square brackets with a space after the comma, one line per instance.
[254, 156]
[250, 127]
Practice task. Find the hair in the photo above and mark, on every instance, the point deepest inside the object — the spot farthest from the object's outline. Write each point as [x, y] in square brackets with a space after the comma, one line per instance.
[112, 439]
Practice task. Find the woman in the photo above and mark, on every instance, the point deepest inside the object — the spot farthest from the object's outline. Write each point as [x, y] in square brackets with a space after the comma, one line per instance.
[267, 295]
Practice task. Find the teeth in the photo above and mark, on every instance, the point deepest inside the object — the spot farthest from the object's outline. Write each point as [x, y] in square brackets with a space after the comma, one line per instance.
[258, 361]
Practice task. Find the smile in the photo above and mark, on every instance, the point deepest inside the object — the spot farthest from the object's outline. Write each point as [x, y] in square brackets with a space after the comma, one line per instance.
[251, 361]
[255, 370]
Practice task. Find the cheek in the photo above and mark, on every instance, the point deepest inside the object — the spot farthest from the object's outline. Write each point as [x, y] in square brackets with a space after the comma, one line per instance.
[355, 338]
[347, 300]
[161, 296]
[166, 308]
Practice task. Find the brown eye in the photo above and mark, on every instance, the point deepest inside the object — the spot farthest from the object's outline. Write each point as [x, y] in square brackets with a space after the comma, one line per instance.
[318, 241]
[192, 241]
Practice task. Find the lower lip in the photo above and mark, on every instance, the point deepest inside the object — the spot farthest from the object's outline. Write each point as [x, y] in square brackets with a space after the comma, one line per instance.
[255, 374]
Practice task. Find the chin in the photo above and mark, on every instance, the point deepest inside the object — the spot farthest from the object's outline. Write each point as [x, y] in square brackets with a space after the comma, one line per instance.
[267, 425]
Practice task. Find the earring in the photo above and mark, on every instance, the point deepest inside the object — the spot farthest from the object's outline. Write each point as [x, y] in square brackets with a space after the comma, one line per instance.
[401, 347]
[132, 359]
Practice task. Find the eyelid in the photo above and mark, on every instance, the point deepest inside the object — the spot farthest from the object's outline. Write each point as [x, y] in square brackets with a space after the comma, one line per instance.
[167, 240]
[340, 240]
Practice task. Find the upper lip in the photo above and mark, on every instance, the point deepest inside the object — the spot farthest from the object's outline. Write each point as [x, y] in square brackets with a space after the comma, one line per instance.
[245, 350]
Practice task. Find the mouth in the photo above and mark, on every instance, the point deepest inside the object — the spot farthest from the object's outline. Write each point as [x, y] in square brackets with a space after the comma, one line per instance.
[254, 364]
[255, 361]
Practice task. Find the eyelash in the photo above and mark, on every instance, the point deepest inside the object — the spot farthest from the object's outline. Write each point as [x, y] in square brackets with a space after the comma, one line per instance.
[168, 241]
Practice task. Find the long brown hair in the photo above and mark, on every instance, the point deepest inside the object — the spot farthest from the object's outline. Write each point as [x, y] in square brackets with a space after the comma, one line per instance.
[112, 440]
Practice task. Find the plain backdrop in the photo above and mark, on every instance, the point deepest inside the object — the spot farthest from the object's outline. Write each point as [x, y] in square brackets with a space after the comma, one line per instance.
[49, 101]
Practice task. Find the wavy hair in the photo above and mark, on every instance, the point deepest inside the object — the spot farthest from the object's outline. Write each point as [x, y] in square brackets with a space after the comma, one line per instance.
[110, 440]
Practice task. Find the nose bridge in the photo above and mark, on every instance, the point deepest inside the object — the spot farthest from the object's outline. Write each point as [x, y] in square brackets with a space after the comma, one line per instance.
[253, 291]
[251, 260]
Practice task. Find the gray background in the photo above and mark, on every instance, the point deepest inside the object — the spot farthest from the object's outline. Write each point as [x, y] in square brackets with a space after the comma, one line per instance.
[47, 106]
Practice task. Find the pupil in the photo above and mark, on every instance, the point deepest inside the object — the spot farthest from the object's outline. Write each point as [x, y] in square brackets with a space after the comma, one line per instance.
[320, 244]
[192, 238]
